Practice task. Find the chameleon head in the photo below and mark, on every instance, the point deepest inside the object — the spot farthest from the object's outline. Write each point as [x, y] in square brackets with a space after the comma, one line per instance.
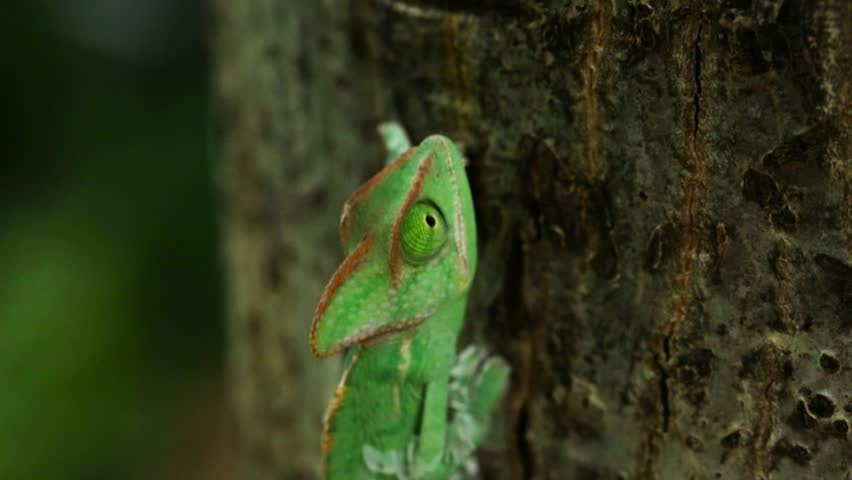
[410, 238]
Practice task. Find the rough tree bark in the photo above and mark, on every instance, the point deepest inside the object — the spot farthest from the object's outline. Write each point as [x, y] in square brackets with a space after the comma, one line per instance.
[664, 197]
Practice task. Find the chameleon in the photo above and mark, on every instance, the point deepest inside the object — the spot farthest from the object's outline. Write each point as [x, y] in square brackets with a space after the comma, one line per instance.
[407, 406]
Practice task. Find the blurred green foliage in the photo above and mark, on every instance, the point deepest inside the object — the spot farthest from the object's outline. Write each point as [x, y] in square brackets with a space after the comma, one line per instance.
[110, 296]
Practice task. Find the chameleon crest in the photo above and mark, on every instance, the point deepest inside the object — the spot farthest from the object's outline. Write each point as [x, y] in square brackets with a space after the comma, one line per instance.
[396, 305]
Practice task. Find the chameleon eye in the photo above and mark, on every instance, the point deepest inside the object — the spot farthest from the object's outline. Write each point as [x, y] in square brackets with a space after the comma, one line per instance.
[424, 232]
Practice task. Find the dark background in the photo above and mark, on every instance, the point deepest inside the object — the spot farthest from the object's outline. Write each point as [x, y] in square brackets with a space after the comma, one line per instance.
[110, 292]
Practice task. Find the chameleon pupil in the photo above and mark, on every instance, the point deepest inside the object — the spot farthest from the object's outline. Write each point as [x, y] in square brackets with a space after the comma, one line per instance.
[430, 220]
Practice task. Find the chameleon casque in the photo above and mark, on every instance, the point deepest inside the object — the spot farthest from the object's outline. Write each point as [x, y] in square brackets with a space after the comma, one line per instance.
[406, 407]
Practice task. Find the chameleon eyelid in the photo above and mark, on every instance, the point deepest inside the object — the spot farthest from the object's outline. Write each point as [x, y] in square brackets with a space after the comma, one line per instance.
[430, 203]
[424, 232]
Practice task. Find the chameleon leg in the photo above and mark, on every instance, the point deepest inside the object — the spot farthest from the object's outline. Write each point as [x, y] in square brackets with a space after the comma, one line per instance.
[423, 457]
[431, 442]
[395, 138]
[488, 388]
[477, 385]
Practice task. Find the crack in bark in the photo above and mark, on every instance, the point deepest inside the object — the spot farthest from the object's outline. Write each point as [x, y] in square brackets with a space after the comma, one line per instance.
[525, 455]
[664, 384]
[589, 76]
[696, 98]
[524, 463]
[666, 410]
[690, 246]
[460, 86]
[663, 357]
[690, 238]
[759, 442]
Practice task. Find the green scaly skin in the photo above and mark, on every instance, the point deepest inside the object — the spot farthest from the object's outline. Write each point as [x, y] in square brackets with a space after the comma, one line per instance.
[395, 306]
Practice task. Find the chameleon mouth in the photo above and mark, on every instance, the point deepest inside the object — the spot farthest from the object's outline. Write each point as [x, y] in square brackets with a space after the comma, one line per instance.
[376, 336]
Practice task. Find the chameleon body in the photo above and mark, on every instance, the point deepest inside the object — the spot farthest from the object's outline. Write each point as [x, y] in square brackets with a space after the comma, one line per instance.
[406, 407]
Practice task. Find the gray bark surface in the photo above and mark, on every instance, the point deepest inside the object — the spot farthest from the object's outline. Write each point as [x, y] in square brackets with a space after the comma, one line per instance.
[664, 201]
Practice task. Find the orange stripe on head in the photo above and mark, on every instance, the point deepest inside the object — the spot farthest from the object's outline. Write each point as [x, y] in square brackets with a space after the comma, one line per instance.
[343, 272]
[410, 198]
[365, 190]
[459, 227]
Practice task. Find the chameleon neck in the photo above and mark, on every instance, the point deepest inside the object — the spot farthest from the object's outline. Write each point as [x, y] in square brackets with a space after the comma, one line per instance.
[426, 351]
[391, 376]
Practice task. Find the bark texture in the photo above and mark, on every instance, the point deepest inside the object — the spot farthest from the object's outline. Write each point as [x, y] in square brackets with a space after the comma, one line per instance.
[664, 200]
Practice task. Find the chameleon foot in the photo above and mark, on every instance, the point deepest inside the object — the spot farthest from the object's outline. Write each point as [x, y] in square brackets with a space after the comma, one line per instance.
[393, 463]
[389, 462]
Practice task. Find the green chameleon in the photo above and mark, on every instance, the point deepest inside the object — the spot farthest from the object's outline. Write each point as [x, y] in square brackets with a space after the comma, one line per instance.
[406, 407]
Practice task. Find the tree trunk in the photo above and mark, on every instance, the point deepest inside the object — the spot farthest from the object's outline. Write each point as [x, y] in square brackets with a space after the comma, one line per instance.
[664, 201]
